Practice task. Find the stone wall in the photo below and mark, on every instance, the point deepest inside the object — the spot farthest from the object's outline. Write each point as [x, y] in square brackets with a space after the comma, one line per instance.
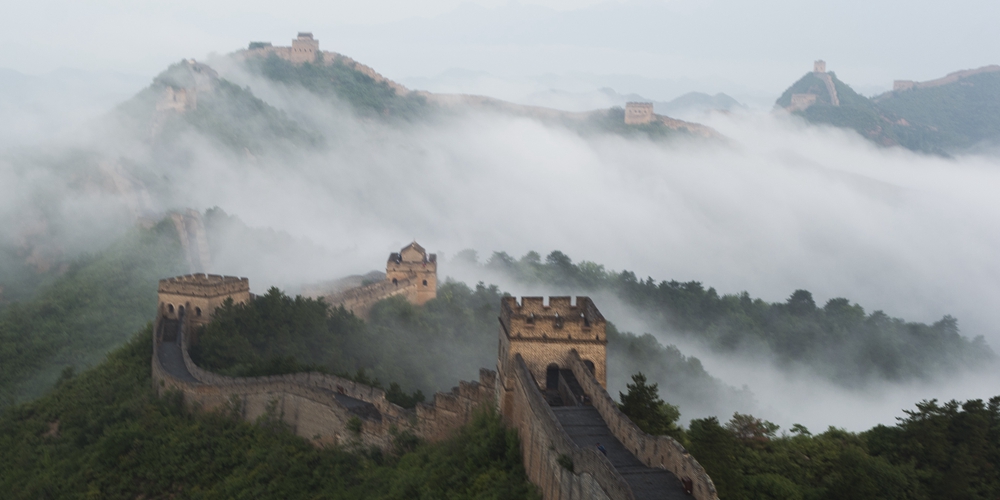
[307, 402]
[447, 412]
[801, 102]
[360, 300]
[543, 442]
[654, 451]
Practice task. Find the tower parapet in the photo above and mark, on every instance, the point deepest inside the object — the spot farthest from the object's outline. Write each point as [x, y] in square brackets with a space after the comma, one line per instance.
[196, 296]
[544, 335]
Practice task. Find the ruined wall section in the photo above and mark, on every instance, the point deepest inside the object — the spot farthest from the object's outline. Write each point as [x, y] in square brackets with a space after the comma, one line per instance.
[191, 231]
[543, 441]
[661, 452]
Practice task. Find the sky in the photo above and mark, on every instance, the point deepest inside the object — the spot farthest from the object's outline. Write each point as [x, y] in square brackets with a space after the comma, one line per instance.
[752, 50]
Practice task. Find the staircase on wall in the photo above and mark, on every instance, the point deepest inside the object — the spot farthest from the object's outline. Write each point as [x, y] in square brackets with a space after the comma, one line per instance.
[587, 428]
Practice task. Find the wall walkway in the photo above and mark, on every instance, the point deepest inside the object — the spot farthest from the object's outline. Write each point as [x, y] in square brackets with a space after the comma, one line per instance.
[316, 406]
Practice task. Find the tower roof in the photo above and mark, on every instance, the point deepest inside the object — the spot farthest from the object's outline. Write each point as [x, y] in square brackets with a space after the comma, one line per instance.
[416, 246]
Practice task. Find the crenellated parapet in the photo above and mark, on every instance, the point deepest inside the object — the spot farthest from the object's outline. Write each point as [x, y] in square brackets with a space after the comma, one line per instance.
[195, 297]
[544, 335]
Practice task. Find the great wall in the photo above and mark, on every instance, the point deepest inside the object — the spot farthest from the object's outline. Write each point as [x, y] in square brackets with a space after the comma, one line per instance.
[550, 385]
[550, 379]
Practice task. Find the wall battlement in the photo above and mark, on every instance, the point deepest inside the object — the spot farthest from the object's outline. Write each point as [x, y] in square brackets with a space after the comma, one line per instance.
[544, 335]
[558, 320]
[204, 285]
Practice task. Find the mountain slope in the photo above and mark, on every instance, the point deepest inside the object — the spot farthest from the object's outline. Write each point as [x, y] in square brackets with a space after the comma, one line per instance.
[954, 114]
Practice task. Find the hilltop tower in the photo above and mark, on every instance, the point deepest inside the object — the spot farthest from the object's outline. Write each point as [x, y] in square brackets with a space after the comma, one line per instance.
[544, 335]
[412, 264]
[194, 297]
[304, 48]
[637, 113]
[819, 66]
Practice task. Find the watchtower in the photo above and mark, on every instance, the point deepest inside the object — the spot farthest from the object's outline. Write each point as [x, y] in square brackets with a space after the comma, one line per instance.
[637, 113]
[544, 335]
[412, 264]
[194, 297]
[304, 48]
[819, 66]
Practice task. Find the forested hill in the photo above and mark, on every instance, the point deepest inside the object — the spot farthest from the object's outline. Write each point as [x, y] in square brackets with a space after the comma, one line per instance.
[838, 340]
[956, 114]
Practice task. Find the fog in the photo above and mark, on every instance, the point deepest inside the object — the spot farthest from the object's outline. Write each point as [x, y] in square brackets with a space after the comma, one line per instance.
[775, 206]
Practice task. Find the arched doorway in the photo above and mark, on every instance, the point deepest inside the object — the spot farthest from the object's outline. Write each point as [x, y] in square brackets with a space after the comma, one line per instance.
[590, 366]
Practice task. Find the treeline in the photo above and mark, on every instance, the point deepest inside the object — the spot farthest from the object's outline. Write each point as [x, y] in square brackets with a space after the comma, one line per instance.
[105, 434]
[949, 451]
[93, 307]
[839, 340]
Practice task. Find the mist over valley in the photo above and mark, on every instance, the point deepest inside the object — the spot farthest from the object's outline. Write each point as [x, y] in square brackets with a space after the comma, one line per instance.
[823, 264]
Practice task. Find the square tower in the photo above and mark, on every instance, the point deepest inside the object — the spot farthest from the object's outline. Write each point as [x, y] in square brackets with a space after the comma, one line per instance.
[414, 268]
[637, 113]
[544, 335]
[304, 48]
[819, 66]
[196, 296]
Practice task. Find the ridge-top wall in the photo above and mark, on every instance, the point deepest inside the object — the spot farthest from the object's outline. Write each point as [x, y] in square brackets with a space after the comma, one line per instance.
[308, 402]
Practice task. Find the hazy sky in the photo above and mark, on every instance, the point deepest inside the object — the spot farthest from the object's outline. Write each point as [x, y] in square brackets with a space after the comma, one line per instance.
[720, 45]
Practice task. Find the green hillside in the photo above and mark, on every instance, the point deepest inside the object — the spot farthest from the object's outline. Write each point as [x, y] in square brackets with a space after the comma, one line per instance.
[219, 110]
[966, 113]
[340, 80]
[951, 118]
[87, 311]
[105, 434]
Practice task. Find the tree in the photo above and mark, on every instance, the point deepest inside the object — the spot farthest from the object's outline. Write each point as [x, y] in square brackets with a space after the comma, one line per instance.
[751, 429]
[644, 407]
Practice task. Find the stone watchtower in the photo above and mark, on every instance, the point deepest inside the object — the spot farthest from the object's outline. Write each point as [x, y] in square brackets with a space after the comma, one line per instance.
[413, 266]
[194, 297]
[637, 113]
[819, 66]
[304, 48]
[544, 335]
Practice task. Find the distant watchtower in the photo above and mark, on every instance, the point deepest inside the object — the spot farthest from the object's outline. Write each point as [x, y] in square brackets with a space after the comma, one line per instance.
[413, 264]
[194, 297]
[637, 113]
[304, 48]
[819, 66]
[545, 335]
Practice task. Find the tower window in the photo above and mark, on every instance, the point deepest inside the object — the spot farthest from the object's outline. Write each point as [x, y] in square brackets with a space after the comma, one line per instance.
[425, 282]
